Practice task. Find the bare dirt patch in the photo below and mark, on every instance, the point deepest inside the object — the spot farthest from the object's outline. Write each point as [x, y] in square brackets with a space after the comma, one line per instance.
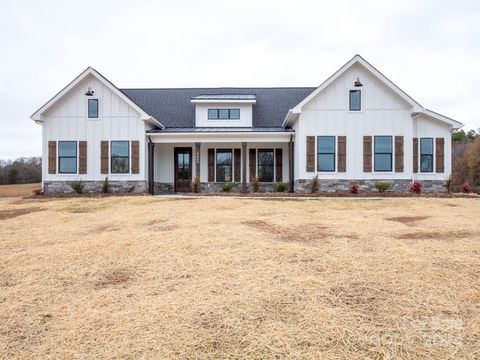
[114, 277]
[439, 235]
[10, 214]
[263, 226]
[408, 220]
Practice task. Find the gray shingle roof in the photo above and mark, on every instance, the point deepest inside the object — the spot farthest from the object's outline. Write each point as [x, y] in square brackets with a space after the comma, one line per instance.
[218, 130]
[173, 107]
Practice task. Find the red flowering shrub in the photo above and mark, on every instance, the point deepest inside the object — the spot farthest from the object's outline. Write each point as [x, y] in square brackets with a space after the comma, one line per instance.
[354, 188]
[416, 187]
[466, 187]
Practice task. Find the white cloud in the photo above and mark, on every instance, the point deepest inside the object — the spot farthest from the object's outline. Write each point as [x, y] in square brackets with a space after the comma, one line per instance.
[431, 49]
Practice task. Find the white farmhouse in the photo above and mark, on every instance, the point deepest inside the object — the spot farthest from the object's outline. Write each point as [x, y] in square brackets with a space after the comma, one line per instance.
[356, 127]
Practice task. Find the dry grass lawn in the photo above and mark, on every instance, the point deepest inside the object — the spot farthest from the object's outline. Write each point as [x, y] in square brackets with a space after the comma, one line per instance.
[144, 277]
[18, 190]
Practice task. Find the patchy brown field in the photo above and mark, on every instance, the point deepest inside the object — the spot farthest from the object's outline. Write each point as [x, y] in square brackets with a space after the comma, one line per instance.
[18, 190]
[144, 277]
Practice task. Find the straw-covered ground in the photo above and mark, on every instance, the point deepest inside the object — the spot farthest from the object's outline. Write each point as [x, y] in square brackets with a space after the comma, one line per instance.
[145, 277]
[18, 189]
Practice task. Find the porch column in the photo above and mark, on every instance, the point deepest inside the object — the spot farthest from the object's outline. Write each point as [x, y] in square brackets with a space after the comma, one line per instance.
[291, 174]
[244, 167]
[197, 159]
[151, 152]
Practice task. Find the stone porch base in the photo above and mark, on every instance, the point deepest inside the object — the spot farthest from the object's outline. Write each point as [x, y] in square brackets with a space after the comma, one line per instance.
[63, 187]
[210, 187]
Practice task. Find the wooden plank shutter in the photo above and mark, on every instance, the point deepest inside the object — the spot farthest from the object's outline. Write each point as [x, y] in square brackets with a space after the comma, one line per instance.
[252, 162]
[211, 165]
[52, 157]
[135, 157]
[342, 153]
[82, 157]
[440, 155]
[237, 164]
[367, 154]
[104, 157]
[310, 153]
[415, 155]
[398, 153]
[278, 165]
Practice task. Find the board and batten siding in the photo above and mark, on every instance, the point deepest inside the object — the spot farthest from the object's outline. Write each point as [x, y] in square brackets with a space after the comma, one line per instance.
[68, 120]
[383, 113]
[201, 115]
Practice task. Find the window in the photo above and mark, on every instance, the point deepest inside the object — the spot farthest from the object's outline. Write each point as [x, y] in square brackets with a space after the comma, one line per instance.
[383, 153]
[120, 155]
[67, 157]
[223, 114]
[326, 153]
[224, 165]
[93, 108]
[355, 100]
[265, 165]
[426, 155]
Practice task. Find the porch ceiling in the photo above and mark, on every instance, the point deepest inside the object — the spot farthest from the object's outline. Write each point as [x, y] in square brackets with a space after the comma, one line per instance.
[211, 135]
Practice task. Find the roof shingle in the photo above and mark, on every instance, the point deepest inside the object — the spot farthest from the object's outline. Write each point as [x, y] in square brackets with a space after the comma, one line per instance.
[173, 107]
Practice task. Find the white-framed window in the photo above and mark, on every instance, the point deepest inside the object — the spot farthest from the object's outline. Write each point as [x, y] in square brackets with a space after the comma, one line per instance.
[355, 100]
[120, 157]
[67, 157]
[92, 108]
[383, 153]
[325, 153]
[223, 114]
[426, 154]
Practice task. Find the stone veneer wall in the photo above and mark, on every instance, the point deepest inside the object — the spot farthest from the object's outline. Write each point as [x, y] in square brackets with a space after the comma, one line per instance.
[63, 187]
[400, 185]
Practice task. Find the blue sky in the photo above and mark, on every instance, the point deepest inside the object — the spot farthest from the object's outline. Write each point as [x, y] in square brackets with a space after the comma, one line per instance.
[431, 49]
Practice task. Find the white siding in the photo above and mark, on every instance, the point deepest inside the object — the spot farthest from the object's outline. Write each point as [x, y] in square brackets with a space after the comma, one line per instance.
[383, 113]
[201, 115]
[68, 120]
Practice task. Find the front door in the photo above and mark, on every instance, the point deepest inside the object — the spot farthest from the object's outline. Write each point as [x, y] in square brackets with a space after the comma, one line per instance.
[183, 169]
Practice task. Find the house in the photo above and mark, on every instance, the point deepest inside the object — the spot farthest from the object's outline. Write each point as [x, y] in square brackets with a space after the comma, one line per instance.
[357, 126]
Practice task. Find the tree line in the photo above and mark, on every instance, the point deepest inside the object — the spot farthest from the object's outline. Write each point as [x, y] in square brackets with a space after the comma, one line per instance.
[466, 158]
[21, 171]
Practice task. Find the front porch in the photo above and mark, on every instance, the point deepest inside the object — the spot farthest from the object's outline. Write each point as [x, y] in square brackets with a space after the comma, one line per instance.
[176, 159]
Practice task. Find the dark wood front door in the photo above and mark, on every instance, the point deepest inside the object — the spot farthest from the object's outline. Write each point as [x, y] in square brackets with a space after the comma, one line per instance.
[183, 169]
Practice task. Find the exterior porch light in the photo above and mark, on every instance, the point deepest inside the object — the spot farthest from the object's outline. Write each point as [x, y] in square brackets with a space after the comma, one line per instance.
[89, 92]
[357, 83]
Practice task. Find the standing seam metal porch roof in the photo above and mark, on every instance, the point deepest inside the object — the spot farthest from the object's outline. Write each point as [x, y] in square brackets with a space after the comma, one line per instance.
[174, 109]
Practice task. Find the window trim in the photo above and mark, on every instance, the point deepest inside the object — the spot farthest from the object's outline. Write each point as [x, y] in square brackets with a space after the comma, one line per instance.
[67, 157]
[258, 164]
[334, 153]
[98, 108]
[382, 153]
[232, 165]
[350, 100]
[128, 158]
[218, 114]
[430, 155]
